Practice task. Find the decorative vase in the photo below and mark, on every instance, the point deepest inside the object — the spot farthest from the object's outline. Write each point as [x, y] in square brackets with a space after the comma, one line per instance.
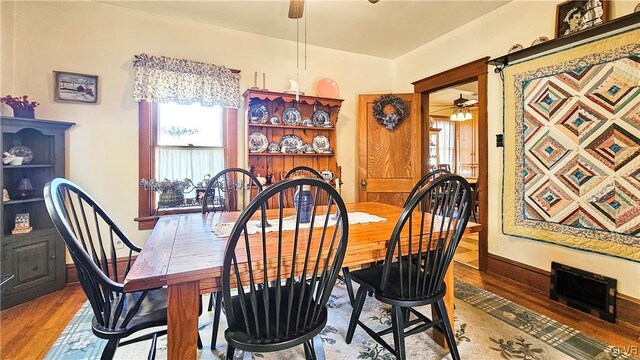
[24, 113]
[171, 198]
[305, 199]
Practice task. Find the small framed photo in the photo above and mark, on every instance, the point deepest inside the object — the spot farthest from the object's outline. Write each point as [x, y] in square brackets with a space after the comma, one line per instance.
[576, 15]
[75, 88]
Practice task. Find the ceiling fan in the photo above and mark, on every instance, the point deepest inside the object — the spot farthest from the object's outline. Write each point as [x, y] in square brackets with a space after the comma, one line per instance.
[296, 8]
[460, 103]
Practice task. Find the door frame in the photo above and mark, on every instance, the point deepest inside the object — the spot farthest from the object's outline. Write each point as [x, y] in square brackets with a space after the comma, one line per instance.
[473, 71]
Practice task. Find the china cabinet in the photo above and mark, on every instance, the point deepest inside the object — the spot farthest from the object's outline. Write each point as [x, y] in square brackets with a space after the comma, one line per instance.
[434, 149]
[36, 256]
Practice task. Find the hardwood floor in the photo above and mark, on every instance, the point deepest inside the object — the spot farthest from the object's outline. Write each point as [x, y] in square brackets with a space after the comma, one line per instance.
[467, 251]
[27, 331]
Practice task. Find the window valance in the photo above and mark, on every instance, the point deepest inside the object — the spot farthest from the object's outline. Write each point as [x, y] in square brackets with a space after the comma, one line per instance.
[163, 79]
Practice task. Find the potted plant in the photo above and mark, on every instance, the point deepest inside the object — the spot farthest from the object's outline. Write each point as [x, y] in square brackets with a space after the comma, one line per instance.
[22, 107]
[171, 191]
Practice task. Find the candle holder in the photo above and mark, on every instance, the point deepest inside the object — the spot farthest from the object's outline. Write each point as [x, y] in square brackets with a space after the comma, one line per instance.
[25, 189]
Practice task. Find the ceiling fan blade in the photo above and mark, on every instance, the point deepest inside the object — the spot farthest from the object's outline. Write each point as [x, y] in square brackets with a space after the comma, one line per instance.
[470, 102]
[296, 8]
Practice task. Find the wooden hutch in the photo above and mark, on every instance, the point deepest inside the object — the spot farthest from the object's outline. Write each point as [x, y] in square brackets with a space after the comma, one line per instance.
[262, 163]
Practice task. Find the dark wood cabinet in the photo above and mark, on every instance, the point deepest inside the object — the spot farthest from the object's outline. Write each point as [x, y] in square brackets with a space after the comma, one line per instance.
[35, 259]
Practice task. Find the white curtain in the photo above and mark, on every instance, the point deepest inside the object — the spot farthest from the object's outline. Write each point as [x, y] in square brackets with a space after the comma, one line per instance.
[178, 164]
[447, 141]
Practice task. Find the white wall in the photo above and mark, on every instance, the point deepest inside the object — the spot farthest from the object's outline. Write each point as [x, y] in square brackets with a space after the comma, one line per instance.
[101, 39]
[492, 35]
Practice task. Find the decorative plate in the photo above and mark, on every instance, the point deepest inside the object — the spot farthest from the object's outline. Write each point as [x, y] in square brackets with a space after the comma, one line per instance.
[307, 122]
[291, 117]
[308, 148]
[514, 48]
[258, 142]
[273, 147]
[258, 114]
[326, 87]
[290, 143]
[274, 120]
[22, 151]
[320, 117]
[539, 40]
[321, 144]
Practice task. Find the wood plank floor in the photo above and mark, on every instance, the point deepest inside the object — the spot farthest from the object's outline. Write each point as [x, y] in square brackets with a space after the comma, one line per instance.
[27, 331]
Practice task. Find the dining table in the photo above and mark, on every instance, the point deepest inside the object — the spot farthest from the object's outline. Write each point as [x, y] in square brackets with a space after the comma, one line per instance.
[183, 254]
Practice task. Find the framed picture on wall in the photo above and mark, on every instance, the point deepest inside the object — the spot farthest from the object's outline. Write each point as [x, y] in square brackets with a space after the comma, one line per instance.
[576, 15]
[75, 88]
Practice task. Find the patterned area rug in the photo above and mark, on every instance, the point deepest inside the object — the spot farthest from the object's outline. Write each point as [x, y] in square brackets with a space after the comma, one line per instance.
[487, 327]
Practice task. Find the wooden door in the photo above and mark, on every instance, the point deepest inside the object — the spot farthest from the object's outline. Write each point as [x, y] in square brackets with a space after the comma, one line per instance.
[389, 161]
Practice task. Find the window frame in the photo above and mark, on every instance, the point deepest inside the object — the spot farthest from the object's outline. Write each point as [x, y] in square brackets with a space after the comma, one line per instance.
[148, 125]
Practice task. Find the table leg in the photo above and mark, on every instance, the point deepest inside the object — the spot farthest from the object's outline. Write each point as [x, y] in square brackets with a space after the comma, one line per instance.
[182, 313]
[448, 302]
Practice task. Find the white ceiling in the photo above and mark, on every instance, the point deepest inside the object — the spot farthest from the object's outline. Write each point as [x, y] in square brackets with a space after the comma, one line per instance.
[441, 102]
[387, 29]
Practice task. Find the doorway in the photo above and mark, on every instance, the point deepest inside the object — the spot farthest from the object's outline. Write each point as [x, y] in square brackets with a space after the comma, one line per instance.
[453, 146]
[454, 117]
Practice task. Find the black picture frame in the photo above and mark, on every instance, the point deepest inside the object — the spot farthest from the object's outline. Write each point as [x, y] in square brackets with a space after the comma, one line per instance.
[75, 88]
[574, 16]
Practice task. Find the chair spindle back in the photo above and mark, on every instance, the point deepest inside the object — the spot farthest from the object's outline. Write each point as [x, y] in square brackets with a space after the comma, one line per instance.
[230, 190]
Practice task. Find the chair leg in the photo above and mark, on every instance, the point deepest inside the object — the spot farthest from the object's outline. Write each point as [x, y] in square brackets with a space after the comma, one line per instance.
[230, 352]
[199, 342]
[152, 350]
[347, 281]
[397, 321]
[355, 313]
[110, 349]
[441, 311]
[211, 301]
[313, 349]
[216, 320]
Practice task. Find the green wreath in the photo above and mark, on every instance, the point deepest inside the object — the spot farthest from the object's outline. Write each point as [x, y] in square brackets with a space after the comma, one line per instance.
[389, 119]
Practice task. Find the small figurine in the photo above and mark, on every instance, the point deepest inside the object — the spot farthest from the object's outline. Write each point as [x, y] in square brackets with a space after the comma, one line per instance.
[22, 224]
[5, 195]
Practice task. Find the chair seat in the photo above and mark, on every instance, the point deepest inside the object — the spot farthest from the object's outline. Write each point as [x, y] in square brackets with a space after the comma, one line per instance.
[152, 312]
[371, 278]
[294, 334]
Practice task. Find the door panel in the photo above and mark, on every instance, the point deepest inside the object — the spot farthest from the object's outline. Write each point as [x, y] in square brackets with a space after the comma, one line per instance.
[32, 261]
[389, 161]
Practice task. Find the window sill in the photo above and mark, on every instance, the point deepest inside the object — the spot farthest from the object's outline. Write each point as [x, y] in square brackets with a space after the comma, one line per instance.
[148, 222]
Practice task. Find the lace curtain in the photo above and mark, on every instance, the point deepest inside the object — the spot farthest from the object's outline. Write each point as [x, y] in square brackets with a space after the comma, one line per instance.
[447, 141]
[163, 79]
[194, 164]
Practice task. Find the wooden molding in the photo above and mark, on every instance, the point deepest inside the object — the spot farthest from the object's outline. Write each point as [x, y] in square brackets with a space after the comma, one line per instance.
[72, 274]
[457, 75]
[627, 307]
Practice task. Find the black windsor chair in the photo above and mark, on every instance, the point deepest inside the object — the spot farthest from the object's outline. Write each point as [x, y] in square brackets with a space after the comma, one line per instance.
[229, 190]
[309, 172]
[274, 300]
[413, 271]
[91, 236]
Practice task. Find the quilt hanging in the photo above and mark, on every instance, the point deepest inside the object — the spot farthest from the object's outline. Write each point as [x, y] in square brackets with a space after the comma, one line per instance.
[572, 147]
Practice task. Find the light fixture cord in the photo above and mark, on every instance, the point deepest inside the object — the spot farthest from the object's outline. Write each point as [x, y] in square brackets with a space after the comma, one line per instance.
[305, 50]
[297, 56]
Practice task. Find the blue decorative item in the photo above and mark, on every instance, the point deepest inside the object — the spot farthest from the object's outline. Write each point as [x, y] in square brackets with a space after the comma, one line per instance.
[305, 199]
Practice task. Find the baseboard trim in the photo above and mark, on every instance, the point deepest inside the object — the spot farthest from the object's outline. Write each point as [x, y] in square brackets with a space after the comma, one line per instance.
[72, 274]
[627, 307]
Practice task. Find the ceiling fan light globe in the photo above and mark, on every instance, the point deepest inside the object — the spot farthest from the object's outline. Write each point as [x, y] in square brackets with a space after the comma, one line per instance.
[460, 116]
[468, 116]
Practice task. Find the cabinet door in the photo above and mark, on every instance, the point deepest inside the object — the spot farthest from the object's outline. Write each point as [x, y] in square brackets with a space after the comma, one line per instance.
[31, 260]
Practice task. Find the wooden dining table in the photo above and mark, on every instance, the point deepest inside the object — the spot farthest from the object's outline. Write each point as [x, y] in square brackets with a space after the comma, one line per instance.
[185, 255]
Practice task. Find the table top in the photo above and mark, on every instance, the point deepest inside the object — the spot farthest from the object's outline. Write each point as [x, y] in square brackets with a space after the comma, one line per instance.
[183, 247]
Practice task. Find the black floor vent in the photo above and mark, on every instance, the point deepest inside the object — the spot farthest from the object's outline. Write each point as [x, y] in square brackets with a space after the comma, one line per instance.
[592, 293]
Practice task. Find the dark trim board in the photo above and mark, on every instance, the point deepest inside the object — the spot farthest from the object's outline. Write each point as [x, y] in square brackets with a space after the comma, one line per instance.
[72, 274]
[628, 308]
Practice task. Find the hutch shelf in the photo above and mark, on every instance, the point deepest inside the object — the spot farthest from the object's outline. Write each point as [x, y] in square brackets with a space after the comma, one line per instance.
[35, 259]
[278, 164]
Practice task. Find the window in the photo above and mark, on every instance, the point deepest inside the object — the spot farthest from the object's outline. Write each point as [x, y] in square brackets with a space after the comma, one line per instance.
[447, 141]
[178, 142]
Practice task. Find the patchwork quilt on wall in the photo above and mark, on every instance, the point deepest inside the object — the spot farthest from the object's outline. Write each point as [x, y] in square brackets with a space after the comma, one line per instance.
[572, 147]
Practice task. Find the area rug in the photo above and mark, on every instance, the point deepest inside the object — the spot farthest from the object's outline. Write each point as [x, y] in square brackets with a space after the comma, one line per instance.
[572, 150]
[487, 326]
